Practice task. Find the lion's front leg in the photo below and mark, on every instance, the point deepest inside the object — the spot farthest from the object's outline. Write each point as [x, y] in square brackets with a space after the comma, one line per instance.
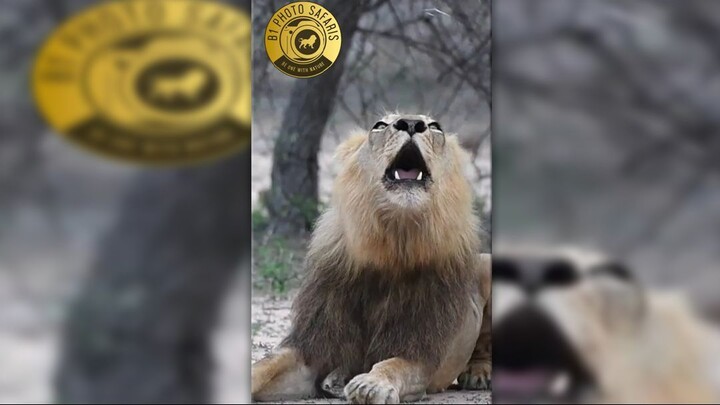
[389, 382]
[477, 374]
[282, 376]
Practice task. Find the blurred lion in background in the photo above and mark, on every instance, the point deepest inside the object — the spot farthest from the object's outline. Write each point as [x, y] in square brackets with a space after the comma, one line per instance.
[394, 303]
[572, 326]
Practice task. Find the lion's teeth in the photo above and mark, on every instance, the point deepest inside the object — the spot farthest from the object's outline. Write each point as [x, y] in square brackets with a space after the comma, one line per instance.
[560, 384]
[419, 177]
[397, 176]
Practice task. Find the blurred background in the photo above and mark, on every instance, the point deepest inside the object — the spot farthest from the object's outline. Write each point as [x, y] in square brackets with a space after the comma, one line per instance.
[606, 133]
[428, 56]
[606, 137]
[117, 283]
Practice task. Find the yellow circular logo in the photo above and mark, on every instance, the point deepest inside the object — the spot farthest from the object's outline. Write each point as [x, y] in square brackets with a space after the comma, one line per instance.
[303, 39]
[151, 81]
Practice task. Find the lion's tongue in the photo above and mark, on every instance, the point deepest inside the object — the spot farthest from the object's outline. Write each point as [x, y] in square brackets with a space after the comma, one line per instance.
[526, 382]
[408, 174]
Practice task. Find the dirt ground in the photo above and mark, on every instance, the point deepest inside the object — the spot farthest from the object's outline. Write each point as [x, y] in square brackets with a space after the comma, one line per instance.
[270, 323]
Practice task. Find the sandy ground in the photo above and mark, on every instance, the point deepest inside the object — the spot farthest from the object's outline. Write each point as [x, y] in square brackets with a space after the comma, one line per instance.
[270, 322]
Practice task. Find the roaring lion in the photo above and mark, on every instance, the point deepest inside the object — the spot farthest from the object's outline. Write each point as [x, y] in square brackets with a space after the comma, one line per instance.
[393, 304]
[572, 326]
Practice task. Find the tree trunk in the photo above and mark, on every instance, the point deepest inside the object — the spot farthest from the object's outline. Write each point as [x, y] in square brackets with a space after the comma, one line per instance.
[140, 330]
[293, 198]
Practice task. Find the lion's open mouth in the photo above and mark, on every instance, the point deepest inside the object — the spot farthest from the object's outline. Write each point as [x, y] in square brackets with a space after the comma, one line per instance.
[408, 168]
[534, 363]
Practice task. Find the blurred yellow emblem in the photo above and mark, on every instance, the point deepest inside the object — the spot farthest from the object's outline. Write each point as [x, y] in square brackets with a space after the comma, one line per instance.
[151, 81]
[303, 39]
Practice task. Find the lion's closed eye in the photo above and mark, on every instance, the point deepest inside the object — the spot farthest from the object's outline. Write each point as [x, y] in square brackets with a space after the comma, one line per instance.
[614, 270]
[379, 125]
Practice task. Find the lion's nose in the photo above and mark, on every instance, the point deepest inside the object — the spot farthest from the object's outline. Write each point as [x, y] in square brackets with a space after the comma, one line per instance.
[412, 127]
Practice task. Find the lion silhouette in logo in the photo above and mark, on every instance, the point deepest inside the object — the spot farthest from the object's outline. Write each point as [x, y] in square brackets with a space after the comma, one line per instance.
[308, 42]
[186, 86]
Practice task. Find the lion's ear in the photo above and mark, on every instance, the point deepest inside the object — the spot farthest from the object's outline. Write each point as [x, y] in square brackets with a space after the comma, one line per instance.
[349, 147]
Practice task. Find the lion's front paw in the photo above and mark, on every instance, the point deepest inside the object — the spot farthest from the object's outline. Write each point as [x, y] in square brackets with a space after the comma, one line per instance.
[476, 376]
[371, 389]
[334, 383]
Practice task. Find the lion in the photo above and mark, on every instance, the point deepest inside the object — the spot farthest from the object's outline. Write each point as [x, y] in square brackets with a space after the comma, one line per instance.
[393, 304]
[187, 86]
[308, 42]
[572, 326]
